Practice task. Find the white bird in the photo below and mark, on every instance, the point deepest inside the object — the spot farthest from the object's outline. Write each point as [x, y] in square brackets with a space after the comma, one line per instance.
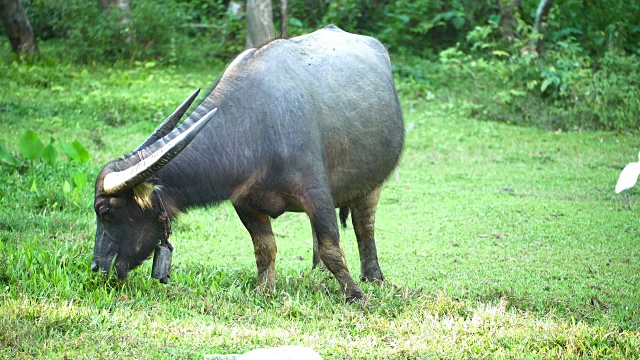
[628, 176]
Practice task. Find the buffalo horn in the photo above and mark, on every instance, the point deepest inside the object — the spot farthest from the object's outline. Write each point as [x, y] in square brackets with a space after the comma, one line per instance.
[115, 182]
[168, 124]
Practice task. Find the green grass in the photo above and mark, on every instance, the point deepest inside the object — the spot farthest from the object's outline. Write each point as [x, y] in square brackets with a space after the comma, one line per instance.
[497, 241]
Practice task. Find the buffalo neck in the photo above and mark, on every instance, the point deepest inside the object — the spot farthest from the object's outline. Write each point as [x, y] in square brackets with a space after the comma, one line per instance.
[207, 171]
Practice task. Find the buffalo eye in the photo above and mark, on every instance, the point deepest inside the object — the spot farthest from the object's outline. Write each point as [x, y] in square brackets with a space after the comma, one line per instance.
[103, 212]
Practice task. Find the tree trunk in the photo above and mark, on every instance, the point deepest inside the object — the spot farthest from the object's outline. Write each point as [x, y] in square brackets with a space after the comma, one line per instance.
[508, 10]
[284, 16]
[259, 22]
[18, 27]
[541, 16]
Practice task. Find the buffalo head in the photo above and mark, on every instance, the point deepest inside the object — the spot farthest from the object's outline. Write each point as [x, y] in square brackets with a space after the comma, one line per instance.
[130, 216]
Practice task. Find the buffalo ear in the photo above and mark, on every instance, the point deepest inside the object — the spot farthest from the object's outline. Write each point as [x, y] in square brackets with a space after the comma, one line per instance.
[143, 194]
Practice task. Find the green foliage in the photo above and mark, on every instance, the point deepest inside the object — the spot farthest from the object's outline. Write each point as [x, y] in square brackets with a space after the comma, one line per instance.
[167, 30]
[561, 88]
[32, 149]
[597, 26]
[425, 26]
[407, 27]
[6, 156]
[350, 15]
[50, 154]
[583, 76]
[155, 30]
[405, 23]
[75, 151]
[30, 145]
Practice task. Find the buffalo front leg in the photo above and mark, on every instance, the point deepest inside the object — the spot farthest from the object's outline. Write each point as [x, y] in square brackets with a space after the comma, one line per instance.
[264, 245]
[317, 262]
[363, 219]
[325, 226]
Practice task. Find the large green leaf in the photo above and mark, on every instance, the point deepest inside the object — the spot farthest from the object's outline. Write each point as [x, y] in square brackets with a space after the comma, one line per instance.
[83, 154]
[50, 154]
[30, 145]
[80, 180]
[458, 22]
[6, 156]
[69, 151]
[75, 151]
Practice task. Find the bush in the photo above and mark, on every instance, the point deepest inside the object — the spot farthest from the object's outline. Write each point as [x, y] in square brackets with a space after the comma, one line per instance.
[585, 77]
[608, 96]
[596, 25]
[91, 34]
[562, 88]
[409, 27]
[159, 30]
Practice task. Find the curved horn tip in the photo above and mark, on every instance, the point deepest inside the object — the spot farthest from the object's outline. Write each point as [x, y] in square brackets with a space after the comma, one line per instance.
[170, 123]
[193, 95]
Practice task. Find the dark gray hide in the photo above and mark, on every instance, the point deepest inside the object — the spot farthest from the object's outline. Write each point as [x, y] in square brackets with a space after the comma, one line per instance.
[305, 124]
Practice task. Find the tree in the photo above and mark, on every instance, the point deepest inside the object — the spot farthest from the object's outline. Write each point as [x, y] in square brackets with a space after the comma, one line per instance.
[284, 16]
[259, 22]
[18, 27]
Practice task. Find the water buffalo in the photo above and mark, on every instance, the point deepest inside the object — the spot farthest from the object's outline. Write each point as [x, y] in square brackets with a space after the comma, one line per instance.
[310, 124]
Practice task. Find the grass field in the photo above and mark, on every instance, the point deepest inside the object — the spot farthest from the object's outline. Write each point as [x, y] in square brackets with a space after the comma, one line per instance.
[497, 241]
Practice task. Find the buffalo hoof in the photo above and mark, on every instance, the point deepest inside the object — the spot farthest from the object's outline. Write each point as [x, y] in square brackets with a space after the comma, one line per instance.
[266, 285]
[361, 301]
[372, 275]
[354, 296]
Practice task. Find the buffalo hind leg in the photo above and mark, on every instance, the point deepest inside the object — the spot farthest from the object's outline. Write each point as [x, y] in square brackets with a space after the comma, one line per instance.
[363, 219]
[325, 225]
[264, 245]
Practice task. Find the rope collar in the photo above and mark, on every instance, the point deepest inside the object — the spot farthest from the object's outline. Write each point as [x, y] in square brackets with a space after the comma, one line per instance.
[166, 222]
